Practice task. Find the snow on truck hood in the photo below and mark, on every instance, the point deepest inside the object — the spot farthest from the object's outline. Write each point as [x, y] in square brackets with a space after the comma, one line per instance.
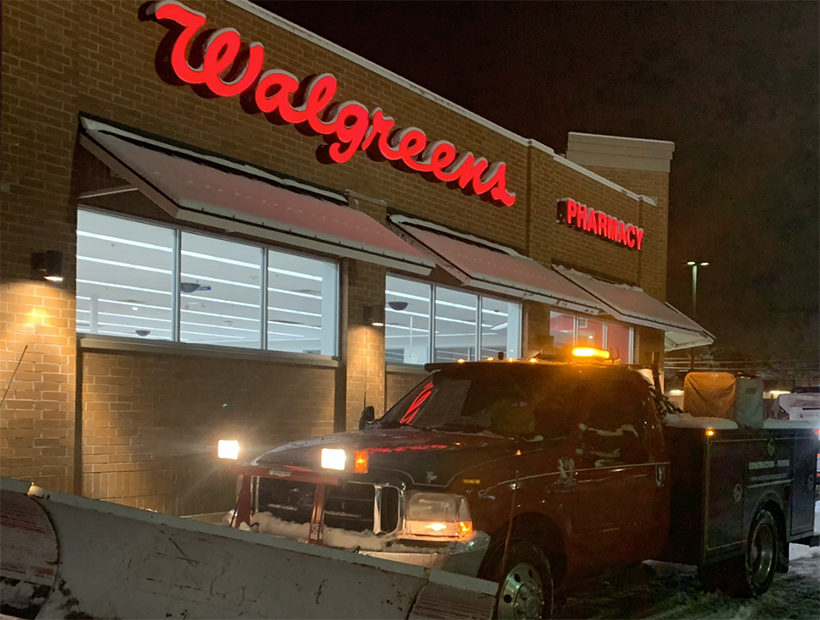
[427, 457]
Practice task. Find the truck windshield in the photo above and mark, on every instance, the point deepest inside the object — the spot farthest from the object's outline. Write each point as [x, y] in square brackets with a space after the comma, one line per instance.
[507, 400]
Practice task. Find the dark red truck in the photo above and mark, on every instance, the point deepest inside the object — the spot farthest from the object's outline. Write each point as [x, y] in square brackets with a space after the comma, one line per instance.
[537, 474]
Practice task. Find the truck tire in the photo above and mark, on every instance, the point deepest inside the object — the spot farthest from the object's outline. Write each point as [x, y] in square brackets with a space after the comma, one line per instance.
[752, 573]
[525, 589]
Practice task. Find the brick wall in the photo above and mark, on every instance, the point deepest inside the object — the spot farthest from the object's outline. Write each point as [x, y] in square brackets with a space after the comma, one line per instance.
[37, 422]
[38, 120]
[151, 423]
[399, 383]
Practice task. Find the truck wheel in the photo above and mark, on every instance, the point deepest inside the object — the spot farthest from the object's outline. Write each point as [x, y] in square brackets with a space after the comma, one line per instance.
[753, 573]
[525, 590]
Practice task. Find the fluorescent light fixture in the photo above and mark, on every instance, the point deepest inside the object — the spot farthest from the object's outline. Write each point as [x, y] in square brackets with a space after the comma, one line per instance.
[138, 244]
[227, 261]
[128, 288]
[675, 392]
[295, 274]
[114, 263]
[295, 293]
[213, 326]
[212, 279]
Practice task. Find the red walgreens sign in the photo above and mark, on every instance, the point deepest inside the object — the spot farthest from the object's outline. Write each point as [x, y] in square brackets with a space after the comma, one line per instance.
[224, 67]
[599, 224]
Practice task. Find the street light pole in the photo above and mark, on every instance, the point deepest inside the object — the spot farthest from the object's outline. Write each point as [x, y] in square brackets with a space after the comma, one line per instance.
[694, 265]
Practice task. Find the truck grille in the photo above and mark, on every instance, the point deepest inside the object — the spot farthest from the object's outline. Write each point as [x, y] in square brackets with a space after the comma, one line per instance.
[348, 506]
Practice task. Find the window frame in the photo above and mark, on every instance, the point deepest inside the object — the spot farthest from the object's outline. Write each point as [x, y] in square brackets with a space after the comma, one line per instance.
[176, 305]
[434, 286]
[606, 323]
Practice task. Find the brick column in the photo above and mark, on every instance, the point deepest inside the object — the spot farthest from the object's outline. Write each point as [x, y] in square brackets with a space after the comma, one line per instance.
[37, 213]
[363, 345]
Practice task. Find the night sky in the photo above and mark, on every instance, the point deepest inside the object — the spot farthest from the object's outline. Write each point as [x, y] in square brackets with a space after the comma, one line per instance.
[733, 85]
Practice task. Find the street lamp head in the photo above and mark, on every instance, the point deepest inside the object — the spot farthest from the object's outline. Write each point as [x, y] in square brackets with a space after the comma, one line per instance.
[704, 264]
[691, 262]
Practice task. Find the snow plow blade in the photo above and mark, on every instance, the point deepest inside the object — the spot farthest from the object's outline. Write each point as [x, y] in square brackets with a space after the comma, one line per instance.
[64, 556]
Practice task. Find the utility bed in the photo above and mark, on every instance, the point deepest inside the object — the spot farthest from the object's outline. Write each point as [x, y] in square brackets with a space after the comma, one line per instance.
[720, 481]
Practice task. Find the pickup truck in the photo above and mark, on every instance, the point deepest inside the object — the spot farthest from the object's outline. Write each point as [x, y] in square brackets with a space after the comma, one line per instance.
[537, 474]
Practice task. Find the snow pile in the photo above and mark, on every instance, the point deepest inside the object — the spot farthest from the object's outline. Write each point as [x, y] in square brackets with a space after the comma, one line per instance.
[687, 420]
[266, 523]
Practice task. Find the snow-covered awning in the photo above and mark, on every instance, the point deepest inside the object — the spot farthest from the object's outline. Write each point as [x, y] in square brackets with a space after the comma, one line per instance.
[491, 267]
[631, 304]
[237, 197]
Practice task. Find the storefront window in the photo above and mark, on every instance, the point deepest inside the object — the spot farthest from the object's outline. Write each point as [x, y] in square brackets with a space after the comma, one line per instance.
[619, 341]
[456, 330]
[126, 287]
[568, 330]
[124, 277]
[457, 335]
[220, 292]
[562, 329]
[590, 333]
[407, 327]
[500, 328]
[302, 302]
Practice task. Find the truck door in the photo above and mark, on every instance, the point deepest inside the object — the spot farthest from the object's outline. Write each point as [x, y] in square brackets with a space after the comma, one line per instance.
[617, 482]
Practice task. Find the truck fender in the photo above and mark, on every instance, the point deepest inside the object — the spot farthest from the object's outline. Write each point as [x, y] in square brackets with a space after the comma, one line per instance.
[542, 531]
[772, 502]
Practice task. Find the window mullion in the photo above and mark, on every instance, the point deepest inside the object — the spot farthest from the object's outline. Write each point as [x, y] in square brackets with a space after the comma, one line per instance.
[479, 315]
[177, 271]
[432, 355]
[263, 301]
[574, 331]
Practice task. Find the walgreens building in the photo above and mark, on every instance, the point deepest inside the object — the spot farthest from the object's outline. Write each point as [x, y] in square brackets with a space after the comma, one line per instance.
[215, 223]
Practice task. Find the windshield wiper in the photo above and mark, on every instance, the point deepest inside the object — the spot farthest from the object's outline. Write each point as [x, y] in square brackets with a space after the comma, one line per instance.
[394, 424]
[466, 426]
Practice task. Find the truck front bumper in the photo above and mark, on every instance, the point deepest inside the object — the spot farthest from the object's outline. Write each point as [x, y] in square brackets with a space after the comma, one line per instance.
[463, 558]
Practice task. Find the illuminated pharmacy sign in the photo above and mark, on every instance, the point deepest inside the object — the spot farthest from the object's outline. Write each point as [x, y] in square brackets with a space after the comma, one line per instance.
[599, 224]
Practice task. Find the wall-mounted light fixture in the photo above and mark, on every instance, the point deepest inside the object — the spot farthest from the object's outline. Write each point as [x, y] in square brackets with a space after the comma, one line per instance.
[374, 315]
[47, 265]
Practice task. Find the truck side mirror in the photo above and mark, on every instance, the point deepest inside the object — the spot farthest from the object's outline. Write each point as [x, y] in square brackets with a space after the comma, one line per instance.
[368, 415]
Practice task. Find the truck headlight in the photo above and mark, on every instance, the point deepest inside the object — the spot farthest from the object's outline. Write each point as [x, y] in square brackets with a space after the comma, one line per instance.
[333, 459]
[337, 459]
[228, 449]
[438, 515]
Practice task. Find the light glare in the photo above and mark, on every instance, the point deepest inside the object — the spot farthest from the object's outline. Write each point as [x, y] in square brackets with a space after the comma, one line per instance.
[228, 449]
[333, 459]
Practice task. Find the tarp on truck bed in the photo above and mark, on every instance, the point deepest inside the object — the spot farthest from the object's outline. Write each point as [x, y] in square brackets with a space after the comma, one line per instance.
[723, 395]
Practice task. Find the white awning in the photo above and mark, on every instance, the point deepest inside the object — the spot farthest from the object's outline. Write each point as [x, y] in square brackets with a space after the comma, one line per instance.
[495, 268]
[236, 197]
[632, 305]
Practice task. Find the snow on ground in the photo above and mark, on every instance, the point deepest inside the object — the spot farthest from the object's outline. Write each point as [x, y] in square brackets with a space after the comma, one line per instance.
[687, 420]
[664, 591]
